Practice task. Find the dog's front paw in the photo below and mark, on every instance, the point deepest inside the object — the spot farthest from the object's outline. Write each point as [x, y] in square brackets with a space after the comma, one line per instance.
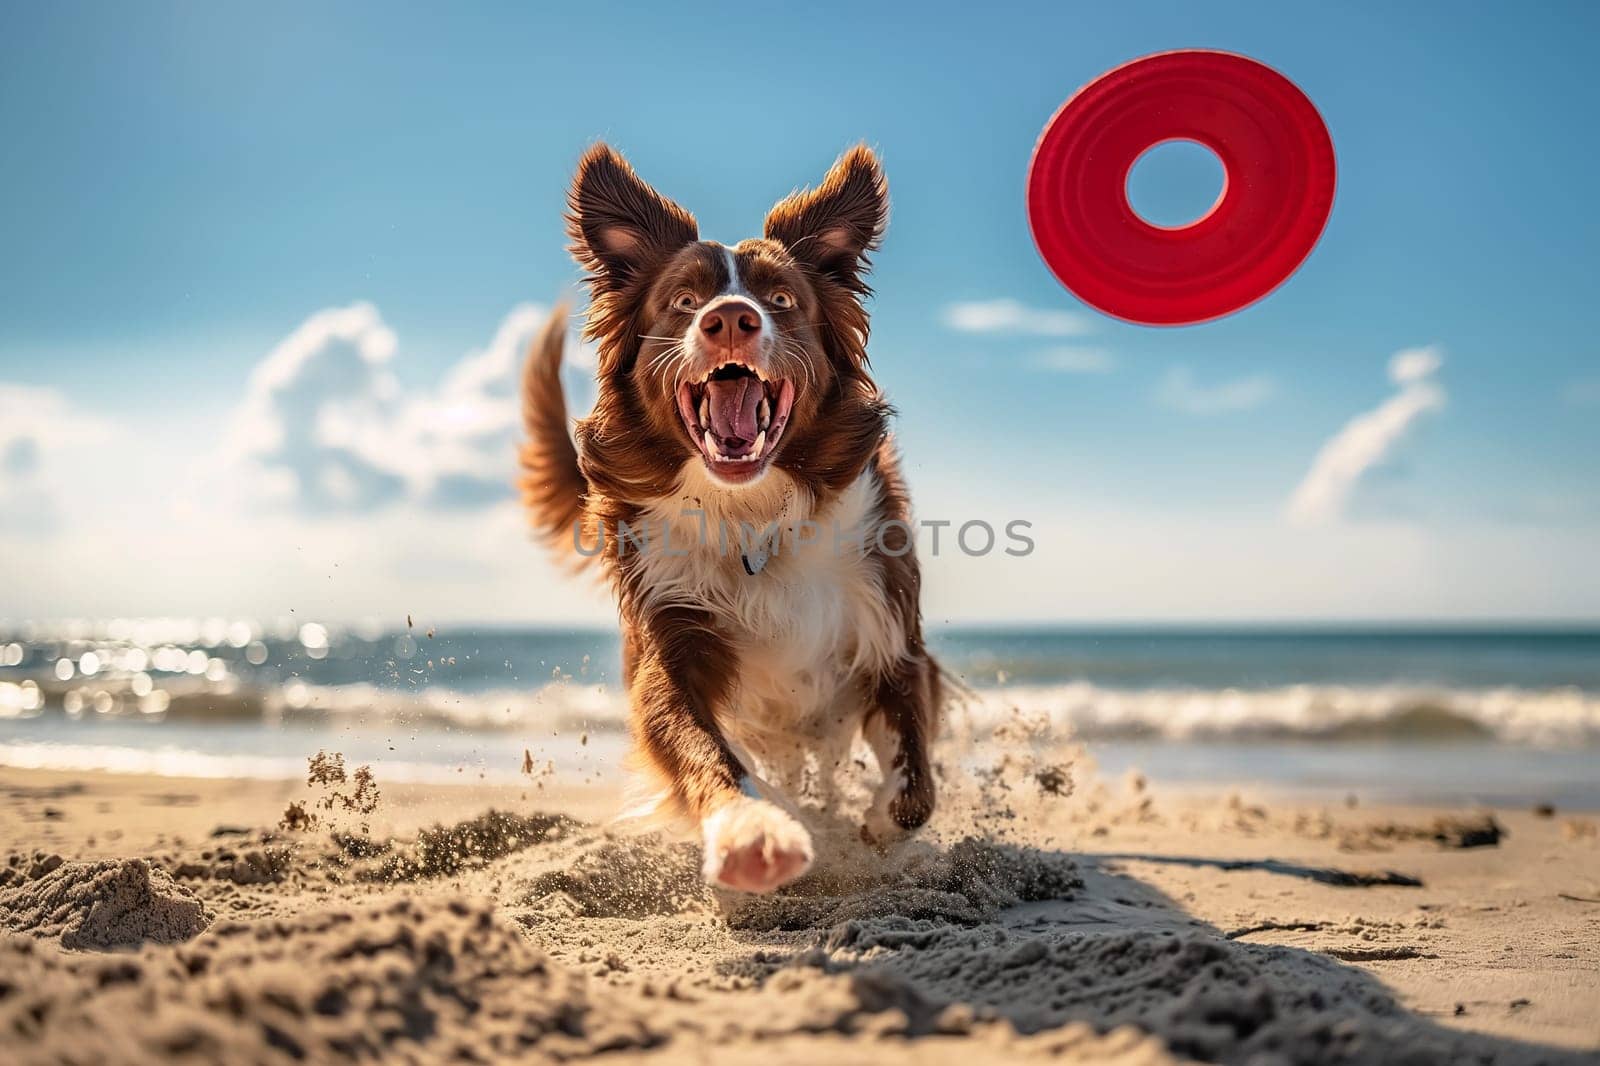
[754, 846]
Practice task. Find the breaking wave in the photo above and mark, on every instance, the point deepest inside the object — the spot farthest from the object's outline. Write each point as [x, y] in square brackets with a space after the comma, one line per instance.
[1327, 713]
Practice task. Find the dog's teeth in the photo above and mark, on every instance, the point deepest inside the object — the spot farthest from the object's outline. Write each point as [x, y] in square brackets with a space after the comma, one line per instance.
[761, 442]
[705, 409]
[764, 413]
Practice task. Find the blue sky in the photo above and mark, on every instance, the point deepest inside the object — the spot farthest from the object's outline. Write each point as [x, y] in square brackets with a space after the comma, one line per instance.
[185, 186]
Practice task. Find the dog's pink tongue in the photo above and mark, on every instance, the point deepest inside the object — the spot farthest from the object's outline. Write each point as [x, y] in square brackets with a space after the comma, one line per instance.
[733, 407]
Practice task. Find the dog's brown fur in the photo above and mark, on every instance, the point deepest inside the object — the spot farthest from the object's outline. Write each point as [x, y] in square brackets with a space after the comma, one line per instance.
[683, 654]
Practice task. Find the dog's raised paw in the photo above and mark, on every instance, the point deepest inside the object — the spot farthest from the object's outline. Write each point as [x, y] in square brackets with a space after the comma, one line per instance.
[754, 846]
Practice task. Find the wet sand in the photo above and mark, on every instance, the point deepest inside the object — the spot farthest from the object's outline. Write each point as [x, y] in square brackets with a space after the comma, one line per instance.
[1047, 915]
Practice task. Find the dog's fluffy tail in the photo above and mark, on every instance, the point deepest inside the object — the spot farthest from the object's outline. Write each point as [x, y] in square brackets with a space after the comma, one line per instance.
[552, 485]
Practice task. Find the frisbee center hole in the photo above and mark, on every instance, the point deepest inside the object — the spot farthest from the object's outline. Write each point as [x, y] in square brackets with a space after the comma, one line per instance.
[1175, 183]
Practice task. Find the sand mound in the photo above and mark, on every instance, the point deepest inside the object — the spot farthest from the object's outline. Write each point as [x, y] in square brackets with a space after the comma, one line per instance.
[446, 850]
[606, 876]
[242, 866]
[967, 883]
[98, 905]
[445, 974]
[440, 979]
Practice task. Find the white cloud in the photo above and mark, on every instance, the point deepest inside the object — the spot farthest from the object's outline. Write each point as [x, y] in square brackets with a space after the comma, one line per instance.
[295, 435]
[1075, 360]
[38, 424]
[1013, 316]
[1366, 440]
[1179, 390]
[305, 509]
[326, 426]
[1414, 364]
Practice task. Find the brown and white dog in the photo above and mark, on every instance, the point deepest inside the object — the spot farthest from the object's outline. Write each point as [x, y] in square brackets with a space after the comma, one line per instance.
[736, 482]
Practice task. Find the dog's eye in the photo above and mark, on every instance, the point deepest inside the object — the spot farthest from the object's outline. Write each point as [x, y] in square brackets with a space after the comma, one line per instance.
[686, 301]
[782, 300]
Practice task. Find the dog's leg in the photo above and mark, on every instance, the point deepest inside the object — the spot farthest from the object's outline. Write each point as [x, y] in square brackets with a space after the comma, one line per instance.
[751, 843]
[900, 727]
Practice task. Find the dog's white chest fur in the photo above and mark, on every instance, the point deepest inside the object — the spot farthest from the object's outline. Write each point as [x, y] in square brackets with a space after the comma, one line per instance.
[809, 627]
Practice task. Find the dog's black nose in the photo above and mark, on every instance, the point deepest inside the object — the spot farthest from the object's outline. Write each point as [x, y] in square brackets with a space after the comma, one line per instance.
[730, 319]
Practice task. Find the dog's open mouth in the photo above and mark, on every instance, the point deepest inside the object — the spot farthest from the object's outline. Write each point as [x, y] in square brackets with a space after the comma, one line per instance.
[736, 418]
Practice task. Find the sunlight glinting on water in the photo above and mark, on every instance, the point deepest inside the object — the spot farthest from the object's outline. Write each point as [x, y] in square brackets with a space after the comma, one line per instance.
[1183, 688]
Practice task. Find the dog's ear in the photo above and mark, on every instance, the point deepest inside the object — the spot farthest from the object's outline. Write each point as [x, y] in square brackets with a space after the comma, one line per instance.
[620, 227]
[832, 227]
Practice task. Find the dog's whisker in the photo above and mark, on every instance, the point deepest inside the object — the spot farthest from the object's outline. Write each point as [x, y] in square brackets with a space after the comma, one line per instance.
[797, 353]
[665, 360]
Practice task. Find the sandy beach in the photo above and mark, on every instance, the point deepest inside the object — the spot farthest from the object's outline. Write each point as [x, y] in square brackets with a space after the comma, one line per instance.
[1047, 915]
[1094, 505]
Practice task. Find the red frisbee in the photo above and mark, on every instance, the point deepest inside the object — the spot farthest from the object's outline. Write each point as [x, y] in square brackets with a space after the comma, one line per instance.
[1277, 189]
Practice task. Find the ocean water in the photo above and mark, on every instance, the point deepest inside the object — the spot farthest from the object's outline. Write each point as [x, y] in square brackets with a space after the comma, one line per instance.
[1444, 715]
